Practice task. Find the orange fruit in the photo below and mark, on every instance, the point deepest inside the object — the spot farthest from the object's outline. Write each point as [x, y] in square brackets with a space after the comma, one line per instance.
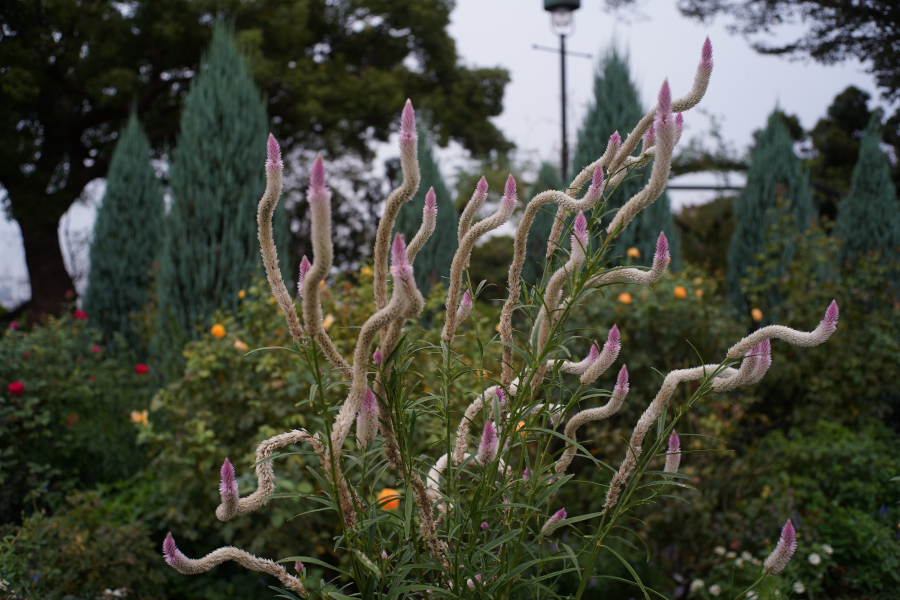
[633, 252]
[625, 298]
[698, 293]
[680, 292]
[393, 499]
[218, 331]
[241, 294]
[756, 314]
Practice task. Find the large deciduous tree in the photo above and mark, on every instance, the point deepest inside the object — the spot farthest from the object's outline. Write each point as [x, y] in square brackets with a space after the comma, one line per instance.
[335, 72]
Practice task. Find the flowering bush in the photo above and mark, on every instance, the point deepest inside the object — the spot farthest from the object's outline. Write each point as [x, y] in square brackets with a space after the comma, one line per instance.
[478, 522]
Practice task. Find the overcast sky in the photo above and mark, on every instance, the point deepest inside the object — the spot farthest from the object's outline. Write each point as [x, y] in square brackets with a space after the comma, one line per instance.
[745, 88]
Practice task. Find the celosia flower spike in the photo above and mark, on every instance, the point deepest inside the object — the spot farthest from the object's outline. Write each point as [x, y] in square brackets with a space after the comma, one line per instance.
[706, 54]
[829, 323]
[783, 551]
[273, 151]
[482, 187]
[376, 357]
[399, 263]
[615, 139]
[594, 354]
[661, 258]
[557, 517]
[228, 488]
[408, 123]
[649, 137]
[484, 526]
[509, 192]
[673, 457]
[597, 181]
[430, 201]
[664, 100]
[580, 231]
[679, 122]
[621, 389]
[305, 266]
[465, 307]
[317, 190]
[367, 420]
[173, 555]
[490, 444]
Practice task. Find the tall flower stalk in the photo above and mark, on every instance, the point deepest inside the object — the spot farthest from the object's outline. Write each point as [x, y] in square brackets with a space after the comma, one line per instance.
[474, 514]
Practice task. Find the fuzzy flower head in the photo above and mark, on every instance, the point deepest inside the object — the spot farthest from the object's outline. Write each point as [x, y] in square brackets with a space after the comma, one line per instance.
[228, 488]
[430, 202]
[509, 192]
[783, 551]
[317, 192]
[580, 239]
[482, 188]
[273, 151]
[173, 555]
[613, 343]
[650, 136]
[673, 457]
[594, 354]
[298, 566]
[663, 107]
[367, 420]
[400, 267]
[615, 140]
[305, 266]
[408, 124]
[621, 389]
[501, 396]
[829, 323]
[679, 122]
[465, 306]
[558, 517]
[597, 182]
[490, 444]
[484, 526]
[706, 56]
[377, 357]
[661, 258]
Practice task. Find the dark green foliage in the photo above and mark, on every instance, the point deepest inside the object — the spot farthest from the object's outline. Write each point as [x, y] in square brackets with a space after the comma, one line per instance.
[80, 552]
[128, 235]
[868, 218]
[70, 427]
[775, 175]
[705, 232]
[433, 260]
[617, 107]
[536, 246]
[217, 179]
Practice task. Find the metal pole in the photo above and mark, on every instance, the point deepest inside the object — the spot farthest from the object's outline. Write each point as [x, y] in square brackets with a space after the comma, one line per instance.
[565, 150]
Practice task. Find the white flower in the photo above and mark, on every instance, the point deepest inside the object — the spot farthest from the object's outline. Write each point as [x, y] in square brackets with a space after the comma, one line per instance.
[739, 563]
[720, 550]
[731, 555]
[799, 587]
[777, 592]
[746, 555]
[827, 549]
[814, 559]
[715, 590]
[752, 595]
[696, 585]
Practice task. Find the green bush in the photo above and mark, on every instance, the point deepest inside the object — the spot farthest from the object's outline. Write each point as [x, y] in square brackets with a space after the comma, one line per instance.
[65, 425]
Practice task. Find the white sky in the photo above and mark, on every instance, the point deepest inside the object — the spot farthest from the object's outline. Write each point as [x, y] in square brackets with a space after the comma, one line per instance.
[745, 88]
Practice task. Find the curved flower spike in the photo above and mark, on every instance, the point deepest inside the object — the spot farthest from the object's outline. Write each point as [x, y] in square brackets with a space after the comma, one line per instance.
[783, 551]
[429, 222]
[673, 457]
[490, 444]
[579, 367]
[228, 488]
[472, 206]
[826, 327]
[605, 360]
[273, 152]
[649, 137]
[187, 566]
[558, 517]
[661, 257]
[367, 420]
[305, 266]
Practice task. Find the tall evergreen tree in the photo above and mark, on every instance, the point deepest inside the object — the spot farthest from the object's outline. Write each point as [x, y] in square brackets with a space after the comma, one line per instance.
[775, 177]
[869, 216]
[617, 107]
[433, 260]
[128, 234]
[536, 246]
[217, 179]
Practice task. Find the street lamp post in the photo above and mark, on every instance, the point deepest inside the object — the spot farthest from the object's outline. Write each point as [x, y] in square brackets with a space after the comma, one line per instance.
[563, 24]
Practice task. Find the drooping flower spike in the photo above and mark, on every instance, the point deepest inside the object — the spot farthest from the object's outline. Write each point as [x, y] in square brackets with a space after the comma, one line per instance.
[784, 550]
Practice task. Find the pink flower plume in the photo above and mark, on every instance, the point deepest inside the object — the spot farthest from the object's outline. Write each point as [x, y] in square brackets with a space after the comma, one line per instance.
[661, 258]
[621, 389]
[509, 192]
[501, 396]
[664, 101]
[650, 136]
[706, 55]
[597, 180]
[612, 341]
[482, 188]
[317, 190]
[679, 122]
[305, 266]
[674, 443]
[171, 552]
[580, 229]
[490, 443]
[594, 354]
[431, 201]
[615, 139]
[398, 252]
[467, 300]
[783, 551]
[408, 121]
[369, 404]
[830, 322]
[228, 487]
[273, 151]
[376, 357]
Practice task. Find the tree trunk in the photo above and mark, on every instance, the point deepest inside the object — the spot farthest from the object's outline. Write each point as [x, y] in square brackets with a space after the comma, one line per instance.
[49, 279]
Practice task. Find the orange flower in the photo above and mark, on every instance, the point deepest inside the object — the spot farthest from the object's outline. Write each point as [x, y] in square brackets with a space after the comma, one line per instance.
[140, 417]
[392, 497]
[239, 345]
[625, 298]
[680, 292]
[756, 314]
[218, 331]
[698, 293]
[241, 294]
[520, 427]
[633, 252]
[365, 271]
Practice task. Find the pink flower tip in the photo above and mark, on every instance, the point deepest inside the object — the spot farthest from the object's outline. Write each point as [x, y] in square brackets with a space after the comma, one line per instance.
[489, 434]
[484, 526]
[661, 260]
[384, 555]
[621, 388]
[664, 101]
[14, 325]
[298, 566]
[273, 150]
[615, 139]
[614, 336]
[706, 55]
[398, 252]
[650, 136]
[526, 474]
[376, 357]
[679, 122]
[305, 266]
[369, 403]
[408, 120]
[228, 486]
[580, 228]
[478, 577]
[594, 354]
[170, 551]
[431, 201]
[501, 396]
[674, 443]
[467, 300]
[788, 536]
[560, 515]
[317, 174]
[482, 187]
[509, 192]
[597, 179]
[831, 316]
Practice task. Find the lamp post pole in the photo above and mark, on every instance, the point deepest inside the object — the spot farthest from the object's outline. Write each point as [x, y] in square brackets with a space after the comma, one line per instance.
[564, 162]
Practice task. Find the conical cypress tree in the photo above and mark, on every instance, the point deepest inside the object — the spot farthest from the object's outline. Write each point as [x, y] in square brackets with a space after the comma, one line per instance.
[433, 261]
[536, 246]
[617, 107]
[128, 234]
[868, 218]
[217, 178]
[775, 174]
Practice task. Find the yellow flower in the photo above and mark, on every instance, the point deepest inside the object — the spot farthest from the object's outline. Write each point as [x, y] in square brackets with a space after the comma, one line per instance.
[633, 252]
[392, 498]
[680, 292]
[756, 314]
[218, 331]
[241, 294]
[625, 298]
[698, 293]
[328, 321]
[239, 345]
[365, 271]
[140, 417]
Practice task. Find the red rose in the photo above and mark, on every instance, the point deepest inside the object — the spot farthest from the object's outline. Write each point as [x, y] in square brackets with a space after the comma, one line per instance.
[80, 315]
[141, 369]
[16, 388]
[95, 349]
